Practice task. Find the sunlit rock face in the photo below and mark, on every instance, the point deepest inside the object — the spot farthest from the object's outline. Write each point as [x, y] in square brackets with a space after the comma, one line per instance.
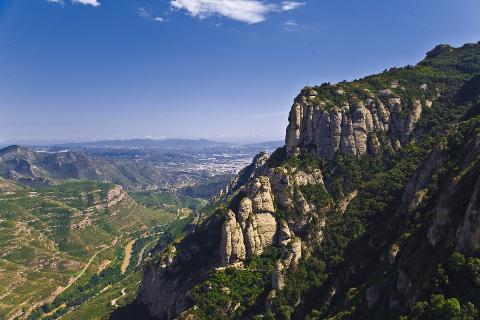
[352, 127]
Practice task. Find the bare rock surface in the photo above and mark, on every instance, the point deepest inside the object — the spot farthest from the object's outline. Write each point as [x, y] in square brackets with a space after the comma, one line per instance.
[351, 128]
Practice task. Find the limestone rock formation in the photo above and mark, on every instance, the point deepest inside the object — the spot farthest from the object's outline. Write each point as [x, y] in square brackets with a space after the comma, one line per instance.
[252, 228]
[256, 168]
[260, 193]
[292, 253]
[115, 195]
[232, 247]
[353, 127]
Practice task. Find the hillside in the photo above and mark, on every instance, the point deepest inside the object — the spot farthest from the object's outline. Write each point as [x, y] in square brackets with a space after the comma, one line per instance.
[58, 237]
[28, 166]
[370, 211]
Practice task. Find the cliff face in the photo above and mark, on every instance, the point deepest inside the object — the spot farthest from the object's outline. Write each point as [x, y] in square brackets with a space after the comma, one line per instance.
[168, 278]
[355, 127]
[376, 188]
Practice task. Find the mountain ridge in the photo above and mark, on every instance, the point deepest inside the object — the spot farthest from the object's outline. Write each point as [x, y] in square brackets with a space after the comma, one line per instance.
[335, 219]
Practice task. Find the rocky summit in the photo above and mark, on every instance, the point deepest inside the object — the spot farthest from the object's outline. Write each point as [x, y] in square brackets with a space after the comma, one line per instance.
[369, 211]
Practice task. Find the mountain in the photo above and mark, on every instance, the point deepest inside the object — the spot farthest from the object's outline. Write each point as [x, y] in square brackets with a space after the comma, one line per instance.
[369, 211]
[33, 167]
[26, 165]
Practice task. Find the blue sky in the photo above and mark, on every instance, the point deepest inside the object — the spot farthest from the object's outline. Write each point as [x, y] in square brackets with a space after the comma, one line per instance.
[218, 69]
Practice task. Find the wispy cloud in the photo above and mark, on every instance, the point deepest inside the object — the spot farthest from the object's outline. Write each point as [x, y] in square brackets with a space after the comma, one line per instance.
[146, 14]
[248, 11]
[291, 5]
[94, 3]
[292, 25]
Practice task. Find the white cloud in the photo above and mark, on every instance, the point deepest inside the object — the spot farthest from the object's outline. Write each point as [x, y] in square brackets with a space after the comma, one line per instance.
[291, 5]
[291, 23]
[248, 11]
[94, 3]
[146, 14]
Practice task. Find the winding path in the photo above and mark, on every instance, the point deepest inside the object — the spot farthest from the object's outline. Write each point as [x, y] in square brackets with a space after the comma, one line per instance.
[140, 255]
[60, 290]
[114, 301]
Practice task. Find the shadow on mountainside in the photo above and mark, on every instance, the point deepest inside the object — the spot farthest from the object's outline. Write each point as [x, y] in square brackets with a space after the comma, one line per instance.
[132, 311]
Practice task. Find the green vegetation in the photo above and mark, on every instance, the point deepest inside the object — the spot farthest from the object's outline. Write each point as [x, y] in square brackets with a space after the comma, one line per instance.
[234, 286]
[443, 309]
[67, 233]
[208, 188]
[444, 70]
[167, 201]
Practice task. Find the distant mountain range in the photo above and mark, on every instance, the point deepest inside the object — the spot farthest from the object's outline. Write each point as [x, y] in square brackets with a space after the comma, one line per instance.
[33, 167]
[192, 145]
[138, 164]
[170, 144]
[26, 165]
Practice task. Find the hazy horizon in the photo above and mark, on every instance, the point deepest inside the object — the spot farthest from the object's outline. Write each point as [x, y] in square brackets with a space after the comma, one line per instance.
[52, 142]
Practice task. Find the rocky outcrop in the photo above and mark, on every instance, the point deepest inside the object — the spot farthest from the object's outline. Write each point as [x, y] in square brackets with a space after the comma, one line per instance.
[232, 247]
[292, 253]
[255, 220]
[469, 231]
[115, 195]
[252, 228]
[343, 204]
[352, 128]
[167, 280]
[256, 168]
[259, 192]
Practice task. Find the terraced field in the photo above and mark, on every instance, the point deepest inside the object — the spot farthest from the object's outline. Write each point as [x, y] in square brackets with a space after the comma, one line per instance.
[62, 245]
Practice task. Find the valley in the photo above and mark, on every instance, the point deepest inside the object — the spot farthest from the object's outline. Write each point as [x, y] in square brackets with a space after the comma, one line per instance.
[73, 247]
[76, 235]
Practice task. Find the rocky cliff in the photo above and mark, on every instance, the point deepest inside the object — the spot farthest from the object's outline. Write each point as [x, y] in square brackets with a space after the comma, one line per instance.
[357, 217]
[354, 126]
